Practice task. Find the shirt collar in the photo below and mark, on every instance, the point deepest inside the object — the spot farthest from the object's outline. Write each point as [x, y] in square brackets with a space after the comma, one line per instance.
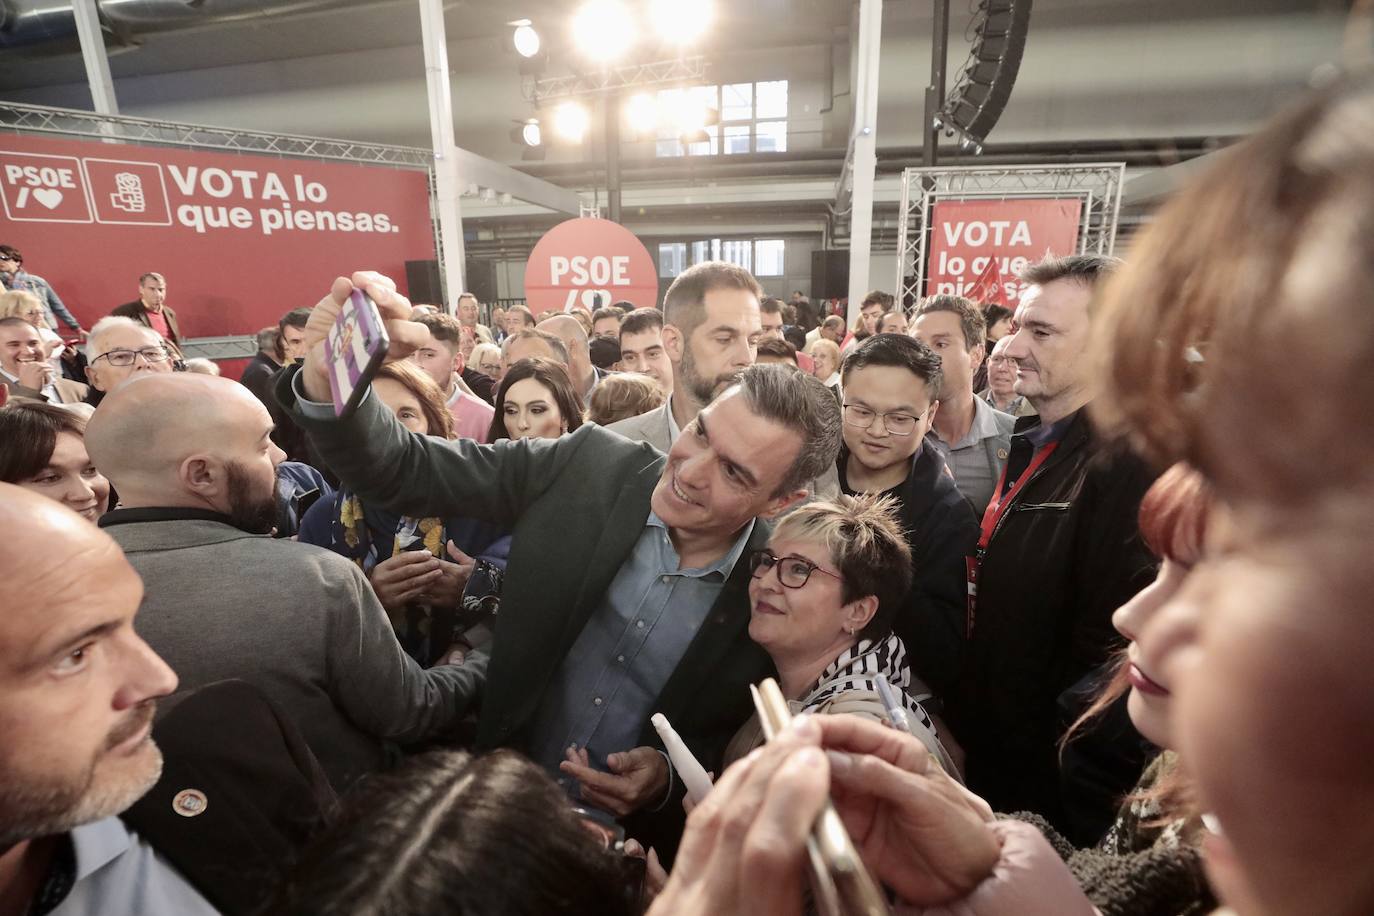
[1042, 435]
[99, 843]
[984, 425]
[725, 565]
[673, 431]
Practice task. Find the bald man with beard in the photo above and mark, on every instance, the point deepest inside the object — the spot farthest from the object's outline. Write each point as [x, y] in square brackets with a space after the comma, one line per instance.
[93, 818]
[193, 461]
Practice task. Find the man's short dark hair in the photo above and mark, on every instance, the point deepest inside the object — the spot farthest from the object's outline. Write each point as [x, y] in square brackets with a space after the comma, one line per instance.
[554, 343]
[803, 404]
[896, 350]
[971, 321]
[779, 349]
[604, 351]
[886, 300]
[641, 320]
[525, 315]
[684, 305]
[444, 328]
[993, 313]
[296, 318]
[771, 305]
[1084, 268]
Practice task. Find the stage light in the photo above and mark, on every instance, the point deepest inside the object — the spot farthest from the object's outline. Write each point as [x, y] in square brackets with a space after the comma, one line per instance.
[681, 21]
[603, 30]
[641, 113]
[570, 122]
[527, 42]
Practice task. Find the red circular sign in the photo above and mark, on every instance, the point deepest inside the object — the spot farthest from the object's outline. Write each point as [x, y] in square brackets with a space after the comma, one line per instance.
[589, 262]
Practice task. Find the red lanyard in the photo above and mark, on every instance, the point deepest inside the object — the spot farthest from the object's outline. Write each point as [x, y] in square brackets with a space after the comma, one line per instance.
[996, 509]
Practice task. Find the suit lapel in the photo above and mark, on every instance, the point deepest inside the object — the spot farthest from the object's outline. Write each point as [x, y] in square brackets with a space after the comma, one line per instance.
[724, 630]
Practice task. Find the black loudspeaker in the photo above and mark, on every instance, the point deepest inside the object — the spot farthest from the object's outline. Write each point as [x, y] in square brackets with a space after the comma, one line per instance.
[422, 283]
[480, 279]
[829, 274]
[984, 87]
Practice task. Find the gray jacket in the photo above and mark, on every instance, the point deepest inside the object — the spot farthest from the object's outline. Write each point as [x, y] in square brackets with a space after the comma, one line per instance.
[298, 622]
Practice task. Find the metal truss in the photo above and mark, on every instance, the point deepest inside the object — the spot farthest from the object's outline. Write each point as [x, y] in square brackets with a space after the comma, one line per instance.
[1097, 185]
[634, 76]
[74, 123]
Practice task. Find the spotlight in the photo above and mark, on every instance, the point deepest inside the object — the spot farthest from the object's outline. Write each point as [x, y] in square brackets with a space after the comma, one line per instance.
[526, 39]
[603, 29]
[681, 21]
[527, 133]
[641, 113]
[570, 122]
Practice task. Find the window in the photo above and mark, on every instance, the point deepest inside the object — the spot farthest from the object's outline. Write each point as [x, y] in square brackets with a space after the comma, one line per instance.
[768, 258]
[672, 258]
[753, 119]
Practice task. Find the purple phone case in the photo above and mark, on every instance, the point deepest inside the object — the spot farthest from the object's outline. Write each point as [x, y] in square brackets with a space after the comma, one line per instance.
[354, 347]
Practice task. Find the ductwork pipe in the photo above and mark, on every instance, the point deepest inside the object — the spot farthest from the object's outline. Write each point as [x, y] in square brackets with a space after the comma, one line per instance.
[31, 22]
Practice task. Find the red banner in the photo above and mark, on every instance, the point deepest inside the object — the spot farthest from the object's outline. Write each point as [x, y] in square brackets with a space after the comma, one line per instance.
[972, 240]
[586, 262]
[241, 239]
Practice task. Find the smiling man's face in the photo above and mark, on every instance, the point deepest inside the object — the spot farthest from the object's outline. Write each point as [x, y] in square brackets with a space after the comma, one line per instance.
[725, 469]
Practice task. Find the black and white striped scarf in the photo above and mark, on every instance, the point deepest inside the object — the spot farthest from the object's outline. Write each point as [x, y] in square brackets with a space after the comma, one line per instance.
[855, 669]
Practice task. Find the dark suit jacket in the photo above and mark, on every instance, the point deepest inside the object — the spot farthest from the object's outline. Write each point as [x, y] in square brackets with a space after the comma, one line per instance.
[576, 506]
[265, 794]
[137, 312]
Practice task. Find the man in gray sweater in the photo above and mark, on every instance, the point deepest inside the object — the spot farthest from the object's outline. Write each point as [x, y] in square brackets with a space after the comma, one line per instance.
[194, 466]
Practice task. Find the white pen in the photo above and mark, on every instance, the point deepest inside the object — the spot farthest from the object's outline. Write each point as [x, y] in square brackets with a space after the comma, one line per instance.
[693, 773]
[896, 712]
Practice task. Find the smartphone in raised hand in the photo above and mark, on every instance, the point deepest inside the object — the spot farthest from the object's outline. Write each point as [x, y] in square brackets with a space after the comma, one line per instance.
[354, 350]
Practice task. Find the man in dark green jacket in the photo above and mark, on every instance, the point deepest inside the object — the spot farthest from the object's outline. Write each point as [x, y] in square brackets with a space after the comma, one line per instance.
[626, 592]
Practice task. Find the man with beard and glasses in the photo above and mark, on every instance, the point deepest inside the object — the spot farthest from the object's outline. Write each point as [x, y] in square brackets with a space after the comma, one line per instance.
[194, 464]
[100, 810]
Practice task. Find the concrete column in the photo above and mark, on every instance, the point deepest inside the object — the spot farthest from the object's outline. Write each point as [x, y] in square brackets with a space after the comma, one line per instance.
[865, 140]
[447, 180]
[93, 54]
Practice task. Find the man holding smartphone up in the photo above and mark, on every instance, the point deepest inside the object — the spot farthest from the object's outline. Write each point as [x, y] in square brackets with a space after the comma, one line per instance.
[623, 594]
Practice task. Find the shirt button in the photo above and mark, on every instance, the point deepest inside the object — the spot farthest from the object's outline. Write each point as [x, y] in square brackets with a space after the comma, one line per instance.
[596, 702]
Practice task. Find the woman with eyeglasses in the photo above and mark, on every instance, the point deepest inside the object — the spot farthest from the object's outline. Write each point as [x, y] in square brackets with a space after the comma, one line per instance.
[822, 599]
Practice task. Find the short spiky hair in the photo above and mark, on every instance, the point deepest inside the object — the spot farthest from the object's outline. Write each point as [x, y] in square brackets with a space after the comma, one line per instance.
[866, 543]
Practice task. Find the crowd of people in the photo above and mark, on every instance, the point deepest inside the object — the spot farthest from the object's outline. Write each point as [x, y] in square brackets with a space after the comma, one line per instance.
[260, 658]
